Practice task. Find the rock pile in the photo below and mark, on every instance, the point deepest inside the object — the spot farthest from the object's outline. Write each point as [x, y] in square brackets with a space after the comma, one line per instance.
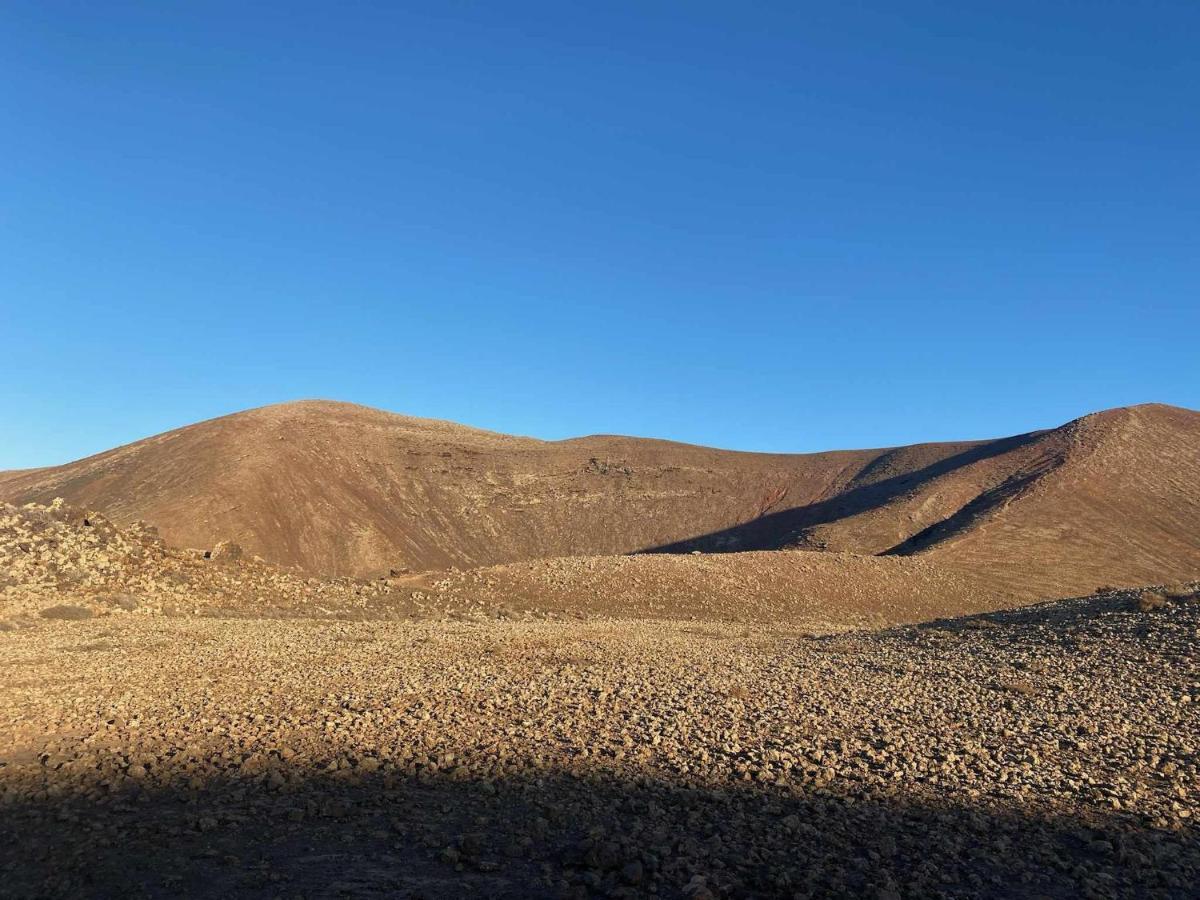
[62, 563]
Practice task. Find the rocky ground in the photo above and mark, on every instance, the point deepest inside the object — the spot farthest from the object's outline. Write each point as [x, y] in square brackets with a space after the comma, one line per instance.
[58, 561]
[820, 592]
[1049, 752]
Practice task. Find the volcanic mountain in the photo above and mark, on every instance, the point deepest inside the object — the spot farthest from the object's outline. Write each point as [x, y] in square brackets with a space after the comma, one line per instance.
[337, 488]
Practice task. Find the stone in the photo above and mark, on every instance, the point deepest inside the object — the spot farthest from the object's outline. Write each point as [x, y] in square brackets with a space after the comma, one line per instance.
[66, 613]
[632, 872]
[226, 551]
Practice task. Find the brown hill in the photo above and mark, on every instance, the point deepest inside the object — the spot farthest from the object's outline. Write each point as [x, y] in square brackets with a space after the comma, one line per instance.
[1119, 503]
[338, 488]
[335, 487]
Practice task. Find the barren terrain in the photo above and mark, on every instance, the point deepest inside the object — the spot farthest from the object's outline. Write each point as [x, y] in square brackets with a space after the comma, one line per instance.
[1051, 752]
[950, 671]
[61, 556]
[338, 489]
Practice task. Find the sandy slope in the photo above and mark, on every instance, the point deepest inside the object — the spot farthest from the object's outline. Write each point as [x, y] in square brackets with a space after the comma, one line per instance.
[59, 557]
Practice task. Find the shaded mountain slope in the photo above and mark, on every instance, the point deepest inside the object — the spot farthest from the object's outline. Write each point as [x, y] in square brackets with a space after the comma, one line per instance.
[1120, 505]
[896, 496]
[1111, 498]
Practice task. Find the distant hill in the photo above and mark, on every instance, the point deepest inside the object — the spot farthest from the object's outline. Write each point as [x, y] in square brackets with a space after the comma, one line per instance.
[342, 489]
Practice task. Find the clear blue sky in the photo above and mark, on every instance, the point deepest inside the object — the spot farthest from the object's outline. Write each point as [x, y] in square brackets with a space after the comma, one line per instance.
[787, 226]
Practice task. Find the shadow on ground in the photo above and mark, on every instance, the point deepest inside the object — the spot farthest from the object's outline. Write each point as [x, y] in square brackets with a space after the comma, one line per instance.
[1056, 619]
[354, 834]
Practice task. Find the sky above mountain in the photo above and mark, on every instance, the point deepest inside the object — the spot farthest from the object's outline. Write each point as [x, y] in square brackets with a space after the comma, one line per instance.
[769, 226]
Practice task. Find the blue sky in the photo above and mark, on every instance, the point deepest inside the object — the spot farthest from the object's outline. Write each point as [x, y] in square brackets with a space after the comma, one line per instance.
[765, 226]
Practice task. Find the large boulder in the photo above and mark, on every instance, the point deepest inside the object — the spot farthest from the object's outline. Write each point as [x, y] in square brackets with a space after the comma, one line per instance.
[226, 551]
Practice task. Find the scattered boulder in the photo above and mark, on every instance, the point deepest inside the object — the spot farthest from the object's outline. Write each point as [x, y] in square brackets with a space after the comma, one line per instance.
[632, 872]
[66, 613]
[1022, 686]
[226, 551]
[126, 602]
[1148, 601]
[1182, 591]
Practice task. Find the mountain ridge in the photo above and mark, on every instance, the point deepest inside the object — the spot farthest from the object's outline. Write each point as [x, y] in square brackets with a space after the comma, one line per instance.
[340, 488]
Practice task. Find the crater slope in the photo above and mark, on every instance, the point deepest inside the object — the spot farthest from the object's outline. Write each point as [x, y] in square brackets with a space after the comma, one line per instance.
[339, 489]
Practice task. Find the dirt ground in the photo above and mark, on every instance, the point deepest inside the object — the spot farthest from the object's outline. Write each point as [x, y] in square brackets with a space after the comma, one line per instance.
[1048, 752]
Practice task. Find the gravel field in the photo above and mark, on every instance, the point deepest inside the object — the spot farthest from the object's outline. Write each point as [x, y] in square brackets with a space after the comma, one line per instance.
[1048, 752]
